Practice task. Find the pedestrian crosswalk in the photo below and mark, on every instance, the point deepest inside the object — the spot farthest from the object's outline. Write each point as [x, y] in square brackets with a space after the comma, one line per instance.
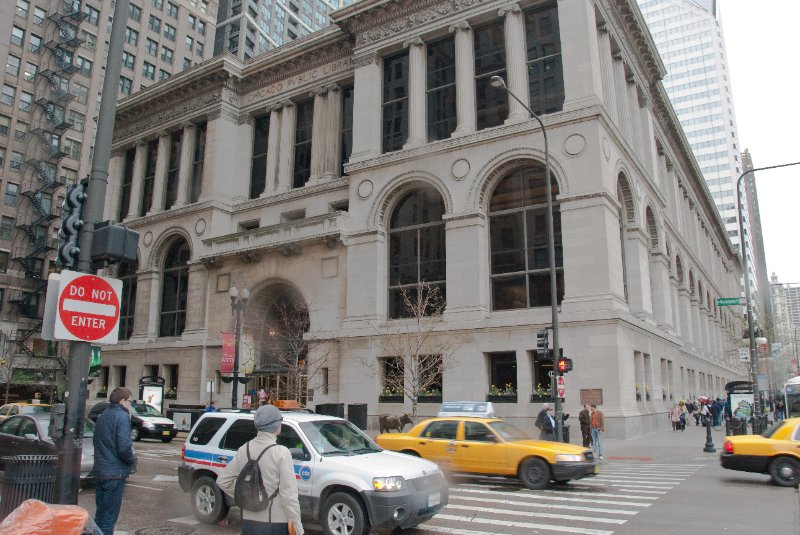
[593, 506]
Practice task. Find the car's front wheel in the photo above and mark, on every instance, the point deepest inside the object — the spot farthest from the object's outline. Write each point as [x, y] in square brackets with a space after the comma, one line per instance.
[534, 473]
[208, 501]
[785, 471]
[343, 514]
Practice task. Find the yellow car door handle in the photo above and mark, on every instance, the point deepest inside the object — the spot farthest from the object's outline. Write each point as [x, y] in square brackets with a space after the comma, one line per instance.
[465, 445]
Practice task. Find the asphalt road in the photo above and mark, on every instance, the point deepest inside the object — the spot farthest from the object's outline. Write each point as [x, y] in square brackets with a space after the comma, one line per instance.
[661, 484]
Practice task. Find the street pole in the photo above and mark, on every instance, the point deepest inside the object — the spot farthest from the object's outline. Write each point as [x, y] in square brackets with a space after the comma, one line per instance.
[498, 82]
[750, 327]
[69, 446]
[238, 302]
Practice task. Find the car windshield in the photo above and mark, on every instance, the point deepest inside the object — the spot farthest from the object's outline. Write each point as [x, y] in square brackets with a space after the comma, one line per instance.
[338, 438]
[508, 432]
[145, 410]
[31, 409]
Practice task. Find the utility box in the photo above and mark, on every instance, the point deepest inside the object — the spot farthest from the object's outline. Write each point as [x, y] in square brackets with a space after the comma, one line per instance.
[114, 243]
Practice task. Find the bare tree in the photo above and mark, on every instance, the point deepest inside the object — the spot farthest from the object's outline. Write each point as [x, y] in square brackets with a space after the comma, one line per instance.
[418, 351]
[7, 357]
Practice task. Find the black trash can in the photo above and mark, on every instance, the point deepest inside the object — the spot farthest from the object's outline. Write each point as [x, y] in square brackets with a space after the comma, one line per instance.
[738, 426]
[565, 433]
[357, 414]
[27, 477]
[330, 409]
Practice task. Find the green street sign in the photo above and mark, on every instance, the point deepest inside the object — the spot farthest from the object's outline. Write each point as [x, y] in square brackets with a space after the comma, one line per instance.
[94, 361]
[728, 301]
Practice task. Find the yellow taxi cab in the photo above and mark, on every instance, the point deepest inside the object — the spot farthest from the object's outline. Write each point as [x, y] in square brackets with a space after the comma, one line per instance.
[466, 437]
[775, 452]
[12, 409]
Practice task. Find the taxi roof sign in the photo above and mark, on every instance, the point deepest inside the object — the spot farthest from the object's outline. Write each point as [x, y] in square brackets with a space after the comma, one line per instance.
[477, 409]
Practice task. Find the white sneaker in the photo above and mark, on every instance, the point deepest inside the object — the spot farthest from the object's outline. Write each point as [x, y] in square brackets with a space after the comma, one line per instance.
[601, 457]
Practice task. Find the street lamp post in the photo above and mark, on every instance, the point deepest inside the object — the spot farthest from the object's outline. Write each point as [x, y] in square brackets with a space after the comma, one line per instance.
[498, 82]
[238, 304]
[750, 327]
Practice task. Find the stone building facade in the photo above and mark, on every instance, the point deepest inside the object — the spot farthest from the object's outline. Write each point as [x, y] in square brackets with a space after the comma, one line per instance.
[346, 166]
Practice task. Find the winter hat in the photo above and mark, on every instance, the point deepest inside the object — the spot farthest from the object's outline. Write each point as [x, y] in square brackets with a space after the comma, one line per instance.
[268, 418]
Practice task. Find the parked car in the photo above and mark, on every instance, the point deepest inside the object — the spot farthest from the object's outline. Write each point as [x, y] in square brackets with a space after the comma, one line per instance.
[342, 475]
[26, 434]
[12, 409]
[478, 443]
[775, 452]
[146, 421]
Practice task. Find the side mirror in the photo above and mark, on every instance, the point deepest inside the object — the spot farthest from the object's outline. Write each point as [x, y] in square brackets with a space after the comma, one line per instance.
[492, 438]
[30, 436]
[299, 455]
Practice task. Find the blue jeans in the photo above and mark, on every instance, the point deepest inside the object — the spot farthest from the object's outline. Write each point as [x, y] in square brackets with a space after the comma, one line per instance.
[596, 446]
[108, 499]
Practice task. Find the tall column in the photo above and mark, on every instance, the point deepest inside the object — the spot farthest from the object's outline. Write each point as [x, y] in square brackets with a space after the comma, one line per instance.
[620, 92]
[580, 53]
[273, 149]
[223, 159]
[196, 300]
[161, 173]
[516, 62]
[687, 334]
[465, 79]
[139, 164]
[116, 168]
[319, 129]
[673, 294]
[286, 149]
[637, 261]
[185, 169]
[416, 93]
[636, 127]
[660, 289]
[697, 328]
[333, 134]
[145, 321]
[466, 250]
[607, 72]
[367, 86]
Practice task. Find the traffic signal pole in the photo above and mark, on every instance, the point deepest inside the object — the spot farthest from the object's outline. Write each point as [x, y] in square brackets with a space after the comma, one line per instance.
[70, 444]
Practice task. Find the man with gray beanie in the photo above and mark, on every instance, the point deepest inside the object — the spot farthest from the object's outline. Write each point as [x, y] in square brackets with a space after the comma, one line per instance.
[277, 472]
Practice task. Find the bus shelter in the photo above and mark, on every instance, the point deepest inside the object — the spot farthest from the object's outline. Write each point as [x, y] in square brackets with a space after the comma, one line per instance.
[739, 407]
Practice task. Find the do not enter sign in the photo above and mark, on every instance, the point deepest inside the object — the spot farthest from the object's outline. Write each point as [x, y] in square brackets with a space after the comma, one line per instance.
[88, 308]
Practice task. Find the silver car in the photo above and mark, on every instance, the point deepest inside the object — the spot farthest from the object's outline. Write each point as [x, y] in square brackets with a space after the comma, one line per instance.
[26, 434]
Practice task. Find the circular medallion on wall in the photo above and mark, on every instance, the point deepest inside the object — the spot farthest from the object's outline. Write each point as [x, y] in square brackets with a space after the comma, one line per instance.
[365, 189]
[575, 144]
[200, 226]
[459, 169]
[606, 148]
[147, 239]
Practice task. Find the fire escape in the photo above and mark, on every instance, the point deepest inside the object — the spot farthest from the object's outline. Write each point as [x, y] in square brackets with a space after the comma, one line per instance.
[39, 204]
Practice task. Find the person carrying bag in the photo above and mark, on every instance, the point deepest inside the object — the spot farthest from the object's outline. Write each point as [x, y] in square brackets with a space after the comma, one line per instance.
[261, 479]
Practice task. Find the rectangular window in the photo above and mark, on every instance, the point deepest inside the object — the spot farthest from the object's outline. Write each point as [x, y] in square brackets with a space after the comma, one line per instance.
[30, 71]
[89, 40]
[189, 43]
[173, 169]
[8, 96]
[192, 21]
[73, 149]
[158, 4]
[258, 167]
[127, 306]
[154, 24]
[166, 54]
[149, 70]
[92, 15]
[69, 176]
[125, 85]
[187, 63]
[35, 44]
[172, 10]
[127, 184]
[128, 60]
[17, 36]
[347, 126]
[25, 101]
[15, 164]
[78, 120]
[197, 162]
[149, 177]
[131, 36]
[201, 27]
[21, 130]
[5, 125]
[22, 8]
[545, 71]
[151, 47]
[503, 371]
[84, 66]
[2, 157]
[3, 263]
[134, 13]
[441, 88]
[199, 49]
[81, 93]
[392, 376]
[163, 75]
[12, 65]
[302, 143]
[395, 102]
[12, 192]
[169, 32]
[39, 15]
[490, 60]
[6, 227]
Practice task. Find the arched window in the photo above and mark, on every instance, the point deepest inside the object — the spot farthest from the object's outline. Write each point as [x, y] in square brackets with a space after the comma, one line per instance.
[174, 290]
[416, 248]
[127, 306]
[625, 215]
[520, 273]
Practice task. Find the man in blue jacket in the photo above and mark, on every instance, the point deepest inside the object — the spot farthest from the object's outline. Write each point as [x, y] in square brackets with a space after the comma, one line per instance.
[113, 458]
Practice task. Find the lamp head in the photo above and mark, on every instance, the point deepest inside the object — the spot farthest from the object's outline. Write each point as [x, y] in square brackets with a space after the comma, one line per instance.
[496, 81]
[245, 293]
[233, 291]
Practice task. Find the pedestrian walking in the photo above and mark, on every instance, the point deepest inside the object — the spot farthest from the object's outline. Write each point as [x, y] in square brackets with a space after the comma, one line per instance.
[546, 423]
[675, 417]
[780, 410]
[585, 419]
[211, 406]
[114, 458]
[598, 427]
[277, 472]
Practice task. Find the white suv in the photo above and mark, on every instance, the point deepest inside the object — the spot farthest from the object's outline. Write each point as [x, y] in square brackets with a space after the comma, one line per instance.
[346, 482]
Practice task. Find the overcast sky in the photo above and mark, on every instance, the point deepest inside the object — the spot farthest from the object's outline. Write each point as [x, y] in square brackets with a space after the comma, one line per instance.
[763, 44]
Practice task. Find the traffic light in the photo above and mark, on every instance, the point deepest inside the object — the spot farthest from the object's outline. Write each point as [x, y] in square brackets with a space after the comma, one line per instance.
[564, 365]
[69, 235]
[543, 344]
[58, 413]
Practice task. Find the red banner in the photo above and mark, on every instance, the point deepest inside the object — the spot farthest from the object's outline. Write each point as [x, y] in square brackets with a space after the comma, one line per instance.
[228, 353]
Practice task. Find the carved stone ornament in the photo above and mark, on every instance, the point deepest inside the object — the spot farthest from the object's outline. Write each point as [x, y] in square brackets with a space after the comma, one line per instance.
[211, 262]
[510, 9]
[459, 169]
[373, 58]
[414, 41]
[290, 249]
[147, 239]
[463, 26]
[404, 16]
[248, 257]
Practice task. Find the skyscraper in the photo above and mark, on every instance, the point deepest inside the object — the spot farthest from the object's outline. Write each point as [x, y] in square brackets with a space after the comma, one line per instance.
[247, 28]
[55, 54]
[690, 40]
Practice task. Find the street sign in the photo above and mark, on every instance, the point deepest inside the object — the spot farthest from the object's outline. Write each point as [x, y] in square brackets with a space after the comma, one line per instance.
[88, 308]
[561, 386]
[728, 301]
[744, 353]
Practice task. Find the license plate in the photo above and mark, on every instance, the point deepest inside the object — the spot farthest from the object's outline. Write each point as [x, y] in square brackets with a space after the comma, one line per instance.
[434, 499]
[597, 469]
[166, 433]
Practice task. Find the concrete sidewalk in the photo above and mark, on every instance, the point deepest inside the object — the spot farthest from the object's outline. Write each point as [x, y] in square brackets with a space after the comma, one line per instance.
[666, 446]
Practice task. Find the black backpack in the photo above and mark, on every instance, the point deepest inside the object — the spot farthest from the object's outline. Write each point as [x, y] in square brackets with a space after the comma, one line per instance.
[249, 492]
